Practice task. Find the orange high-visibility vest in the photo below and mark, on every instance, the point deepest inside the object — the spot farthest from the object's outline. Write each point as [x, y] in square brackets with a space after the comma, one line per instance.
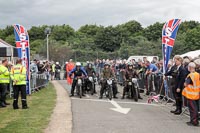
[192, 92]
[69, 67]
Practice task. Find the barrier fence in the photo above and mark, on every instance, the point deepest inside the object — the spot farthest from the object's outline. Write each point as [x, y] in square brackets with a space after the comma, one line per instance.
[37, 81]
[156, 85]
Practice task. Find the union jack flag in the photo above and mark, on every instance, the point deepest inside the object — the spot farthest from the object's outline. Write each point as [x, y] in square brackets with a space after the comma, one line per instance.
[169, 33]
[22, 44]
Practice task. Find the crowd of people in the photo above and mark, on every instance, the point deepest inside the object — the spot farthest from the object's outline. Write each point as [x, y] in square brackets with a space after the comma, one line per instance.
[15, 77]
[181, 78]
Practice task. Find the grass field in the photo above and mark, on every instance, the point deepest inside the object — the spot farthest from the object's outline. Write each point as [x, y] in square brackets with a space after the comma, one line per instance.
[33, 120]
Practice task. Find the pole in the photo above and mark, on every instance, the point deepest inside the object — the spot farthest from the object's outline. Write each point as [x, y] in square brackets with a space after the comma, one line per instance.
[48, 47]
[75, 55]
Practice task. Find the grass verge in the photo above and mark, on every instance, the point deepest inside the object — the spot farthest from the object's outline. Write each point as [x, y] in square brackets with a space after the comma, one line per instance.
[33, 120]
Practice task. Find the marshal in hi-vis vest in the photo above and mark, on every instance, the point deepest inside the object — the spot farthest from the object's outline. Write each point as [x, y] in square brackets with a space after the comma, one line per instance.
[192, 92]
[4, 75]
[18, 75]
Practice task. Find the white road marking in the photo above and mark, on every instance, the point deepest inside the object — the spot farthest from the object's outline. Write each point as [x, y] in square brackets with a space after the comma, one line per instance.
[140, 103]
[107, 101]
[87, 95]
[118, 108]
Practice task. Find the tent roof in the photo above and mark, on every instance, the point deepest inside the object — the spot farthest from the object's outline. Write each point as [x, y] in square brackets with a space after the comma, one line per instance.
[7, 50]
[4, 44]
[192, 54]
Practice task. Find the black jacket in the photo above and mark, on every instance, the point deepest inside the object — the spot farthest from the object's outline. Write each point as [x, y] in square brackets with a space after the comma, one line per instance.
[180, 78]
[172, 72]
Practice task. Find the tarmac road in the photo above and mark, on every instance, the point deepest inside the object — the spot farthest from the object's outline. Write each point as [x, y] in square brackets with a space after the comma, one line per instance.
[92, 115]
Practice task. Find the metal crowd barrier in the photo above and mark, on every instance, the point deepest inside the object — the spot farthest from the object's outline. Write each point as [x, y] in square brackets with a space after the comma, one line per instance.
[165, 89]
[38, 81]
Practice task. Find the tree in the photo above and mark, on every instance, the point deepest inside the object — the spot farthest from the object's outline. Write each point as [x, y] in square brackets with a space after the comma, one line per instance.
[36, 45]
[10, 39]
[179, 45]
[153, 32]
[61, 54]
[108, 39]
[125, 50]
[37, 32]
[93, 41]
[131, 28]
[192, 39]
[62, 32]
[9, 30]
[89, 30]
[188, 25]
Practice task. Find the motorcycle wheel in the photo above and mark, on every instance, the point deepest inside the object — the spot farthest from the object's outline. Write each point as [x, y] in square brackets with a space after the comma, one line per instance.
[130, 92]
[135, 94]
[110, 93]
[91, 89]
[80, 91]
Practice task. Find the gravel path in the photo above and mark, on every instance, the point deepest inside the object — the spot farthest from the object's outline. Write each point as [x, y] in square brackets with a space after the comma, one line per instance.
[61, 119]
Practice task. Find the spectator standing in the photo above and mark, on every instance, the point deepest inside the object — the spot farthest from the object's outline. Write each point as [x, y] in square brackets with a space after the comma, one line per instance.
[4, 82]
[34, 71]
[69, 68]
[65, 71]
[152, 69]
[179, 74]
[19, 77]
[192, 93]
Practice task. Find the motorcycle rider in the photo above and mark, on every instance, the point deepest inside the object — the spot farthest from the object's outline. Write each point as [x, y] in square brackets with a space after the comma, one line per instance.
[77, 71]
[129, 74]
[91, 73]
[107, 73]
[57, 71]
[65, 71]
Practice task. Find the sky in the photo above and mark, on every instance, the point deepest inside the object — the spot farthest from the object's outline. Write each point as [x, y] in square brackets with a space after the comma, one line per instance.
[77, 13]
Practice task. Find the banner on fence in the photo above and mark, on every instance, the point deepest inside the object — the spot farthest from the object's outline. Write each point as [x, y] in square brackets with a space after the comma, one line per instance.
[22, 44]
[169, 32]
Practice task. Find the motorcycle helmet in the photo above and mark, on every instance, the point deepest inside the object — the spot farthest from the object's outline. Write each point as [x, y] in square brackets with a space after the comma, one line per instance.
[78, 64]
[130, 65]
[106, 64]
[90, 65]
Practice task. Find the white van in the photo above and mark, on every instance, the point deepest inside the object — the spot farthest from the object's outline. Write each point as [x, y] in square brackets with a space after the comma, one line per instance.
[149, 58]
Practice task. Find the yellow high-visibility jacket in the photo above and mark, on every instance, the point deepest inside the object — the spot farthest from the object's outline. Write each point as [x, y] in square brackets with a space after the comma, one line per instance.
[4, 74]
[18, 74]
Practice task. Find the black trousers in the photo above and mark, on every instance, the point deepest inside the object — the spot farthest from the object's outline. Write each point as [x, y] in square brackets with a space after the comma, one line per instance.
[193, 108]
[87, 83]
[177, 95]
[73, 86]
[126, 89]
[17, 89]
[3, 89]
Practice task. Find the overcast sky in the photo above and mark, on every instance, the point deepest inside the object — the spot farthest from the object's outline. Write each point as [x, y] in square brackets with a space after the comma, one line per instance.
[101, 12]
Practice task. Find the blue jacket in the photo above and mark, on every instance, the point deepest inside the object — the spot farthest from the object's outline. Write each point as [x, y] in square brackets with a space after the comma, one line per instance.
[76, 72]
[152, 67]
